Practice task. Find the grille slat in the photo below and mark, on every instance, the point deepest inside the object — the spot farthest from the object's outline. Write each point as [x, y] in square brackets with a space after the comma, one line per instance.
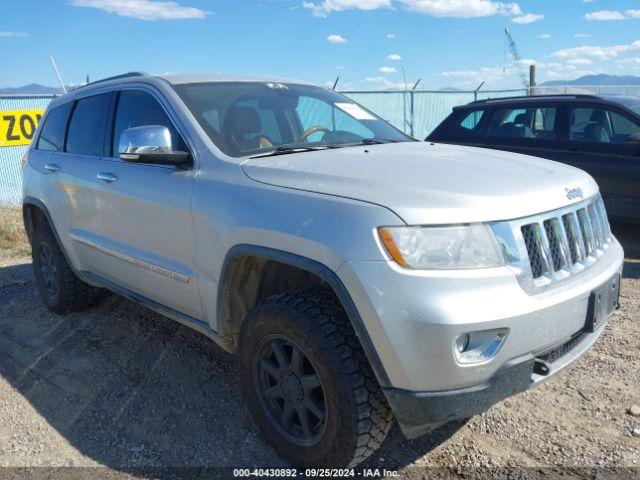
[595, 226]
[559, 243]
[603, 218]
[587, 231]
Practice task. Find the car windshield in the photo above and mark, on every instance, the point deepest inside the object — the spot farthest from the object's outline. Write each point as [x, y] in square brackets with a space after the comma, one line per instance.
[635, 108]
[252, 119]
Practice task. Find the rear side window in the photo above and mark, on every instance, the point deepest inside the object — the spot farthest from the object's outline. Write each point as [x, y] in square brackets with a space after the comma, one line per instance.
[471, 121]
[137, 108]
[534, 122]
[55, 125]
[87, 125]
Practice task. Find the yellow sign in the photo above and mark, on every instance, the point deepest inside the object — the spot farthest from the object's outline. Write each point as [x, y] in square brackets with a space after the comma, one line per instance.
[18, 126]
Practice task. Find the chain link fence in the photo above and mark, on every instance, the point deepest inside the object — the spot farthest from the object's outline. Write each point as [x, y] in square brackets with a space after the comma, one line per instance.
[626, 90]
[10, 156]
[419, 112]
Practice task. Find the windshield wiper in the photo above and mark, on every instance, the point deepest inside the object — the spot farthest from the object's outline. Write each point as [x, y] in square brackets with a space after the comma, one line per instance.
[376, 141]
[365, 142]
[287, 149]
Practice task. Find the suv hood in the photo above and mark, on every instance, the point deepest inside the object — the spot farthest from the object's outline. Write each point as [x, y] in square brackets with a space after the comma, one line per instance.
[426, 183]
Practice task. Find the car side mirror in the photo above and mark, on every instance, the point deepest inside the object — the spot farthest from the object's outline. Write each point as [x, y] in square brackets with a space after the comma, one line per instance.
[149, 144]
[634, 139]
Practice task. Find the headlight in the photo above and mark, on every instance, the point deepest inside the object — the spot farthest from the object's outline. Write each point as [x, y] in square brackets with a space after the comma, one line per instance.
[452, 247]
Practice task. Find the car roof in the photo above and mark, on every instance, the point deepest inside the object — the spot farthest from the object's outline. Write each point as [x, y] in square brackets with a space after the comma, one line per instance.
[172, 79]
[560, 98]
[181, 79]
[175, 79]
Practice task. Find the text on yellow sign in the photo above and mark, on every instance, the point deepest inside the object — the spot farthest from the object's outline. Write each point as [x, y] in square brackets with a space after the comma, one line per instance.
[17, 127]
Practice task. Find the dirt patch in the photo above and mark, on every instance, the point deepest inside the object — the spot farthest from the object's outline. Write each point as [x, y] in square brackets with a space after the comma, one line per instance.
[13, 239]
[123, 388]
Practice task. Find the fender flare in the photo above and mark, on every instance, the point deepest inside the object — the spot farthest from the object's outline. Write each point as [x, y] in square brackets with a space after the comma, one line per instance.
[41, 206]
[326, 274]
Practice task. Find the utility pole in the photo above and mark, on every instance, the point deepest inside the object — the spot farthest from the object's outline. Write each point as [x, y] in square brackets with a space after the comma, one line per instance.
[413, 101]
[532, 79]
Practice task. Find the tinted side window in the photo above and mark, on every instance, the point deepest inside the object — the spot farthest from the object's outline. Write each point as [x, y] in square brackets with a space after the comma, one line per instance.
[471, 120]
[54, 128]
[87, 125]
[137, 109]
[601, 126]
[535, 122]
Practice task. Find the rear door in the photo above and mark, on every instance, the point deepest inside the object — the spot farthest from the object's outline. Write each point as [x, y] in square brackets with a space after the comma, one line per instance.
[68, 152]
[597, 143]
[146, 233]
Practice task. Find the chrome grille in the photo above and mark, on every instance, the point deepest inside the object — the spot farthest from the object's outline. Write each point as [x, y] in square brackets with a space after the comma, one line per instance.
[562, 242]
[549, 248]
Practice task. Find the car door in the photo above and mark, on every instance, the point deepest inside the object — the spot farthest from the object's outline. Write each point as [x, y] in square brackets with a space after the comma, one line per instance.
[598, 144]
[70, 157]
[146, 231]
[529, 129]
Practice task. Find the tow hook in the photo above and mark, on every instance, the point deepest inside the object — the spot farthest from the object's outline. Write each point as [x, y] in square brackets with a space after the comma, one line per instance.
[542, 368]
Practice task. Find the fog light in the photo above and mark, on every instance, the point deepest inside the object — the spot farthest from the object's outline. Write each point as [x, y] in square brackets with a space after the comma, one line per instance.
[462, 342]
[479, 347]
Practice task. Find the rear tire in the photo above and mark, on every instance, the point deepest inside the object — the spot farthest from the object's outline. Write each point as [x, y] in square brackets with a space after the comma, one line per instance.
[300, 358]
[59, 288]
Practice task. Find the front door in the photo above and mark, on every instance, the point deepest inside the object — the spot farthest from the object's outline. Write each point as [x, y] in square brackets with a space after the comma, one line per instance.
[147, 231]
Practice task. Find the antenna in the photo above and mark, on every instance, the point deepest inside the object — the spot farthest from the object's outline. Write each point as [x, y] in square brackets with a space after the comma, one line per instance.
[335, 84]
[55, 69]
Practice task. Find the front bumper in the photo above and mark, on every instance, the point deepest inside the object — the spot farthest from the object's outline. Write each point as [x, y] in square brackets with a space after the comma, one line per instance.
[414, 317]
[421, 412]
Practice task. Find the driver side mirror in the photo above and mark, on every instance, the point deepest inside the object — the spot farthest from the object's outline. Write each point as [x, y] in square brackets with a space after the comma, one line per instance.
[149, 144]
[634, 139]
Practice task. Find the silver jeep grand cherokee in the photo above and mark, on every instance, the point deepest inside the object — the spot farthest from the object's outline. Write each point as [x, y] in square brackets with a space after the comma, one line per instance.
[360, 275]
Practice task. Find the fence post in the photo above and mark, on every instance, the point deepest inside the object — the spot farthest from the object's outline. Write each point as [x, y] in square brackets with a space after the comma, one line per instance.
[411, 113]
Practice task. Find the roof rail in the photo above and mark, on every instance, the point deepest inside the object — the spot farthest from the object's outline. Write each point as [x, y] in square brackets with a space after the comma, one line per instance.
[556, 96]
[116, 77]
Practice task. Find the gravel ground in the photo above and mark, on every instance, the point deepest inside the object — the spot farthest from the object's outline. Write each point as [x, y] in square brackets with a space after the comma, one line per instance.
[123, 388]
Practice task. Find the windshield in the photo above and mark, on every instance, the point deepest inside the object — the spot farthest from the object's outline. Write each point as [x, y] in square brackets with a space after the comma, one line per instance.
[635, 108]
[249, 119]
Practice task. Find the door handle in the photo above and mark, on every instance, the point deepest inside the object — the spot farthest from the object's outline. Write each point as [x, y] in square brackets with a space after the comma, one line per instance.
[107, 177]
[52, 167]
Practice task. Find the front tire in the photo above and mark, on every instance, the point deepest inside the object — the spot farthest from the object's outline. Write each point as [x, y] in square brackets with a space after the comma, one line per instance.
[307, 381]
[59, 288]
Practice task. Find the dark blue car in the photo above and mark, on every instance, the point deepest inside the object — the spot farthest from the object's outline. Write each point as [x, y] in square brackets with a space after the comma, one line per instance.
[599, 134]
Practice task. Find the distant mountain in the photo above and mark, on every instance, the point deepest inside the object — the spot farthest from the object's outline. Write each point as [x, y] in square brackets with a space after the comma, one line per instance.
[601, 79]
[32, 89]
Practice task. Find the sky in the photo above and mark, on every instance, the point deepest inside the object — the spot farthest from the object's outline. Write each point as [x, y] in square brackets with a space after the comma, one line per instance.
[367, 43]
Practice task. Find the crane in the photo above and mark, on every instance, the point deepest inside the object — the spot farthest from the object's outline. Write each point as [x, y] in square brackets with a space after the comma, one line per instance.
[516, 57]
